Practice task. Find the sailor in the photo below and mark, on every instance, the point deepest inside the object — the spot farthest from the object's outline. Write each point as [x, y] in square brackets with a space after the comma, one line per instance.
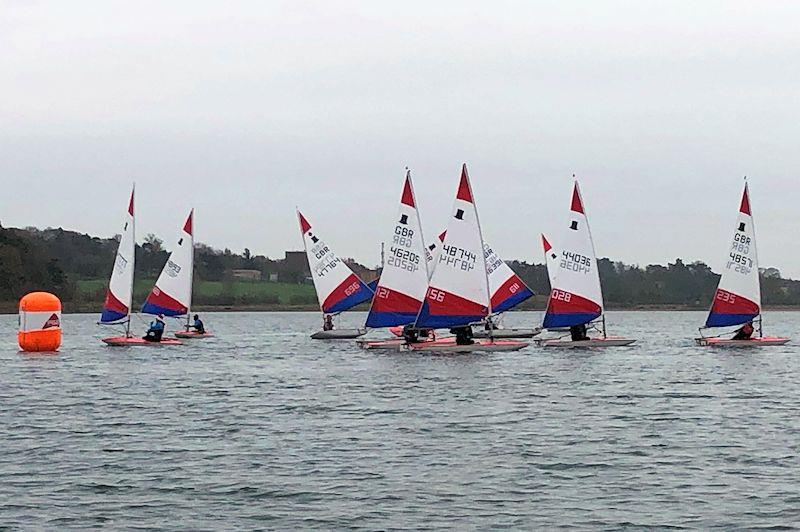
[156, 330]
[410, 334]
[745, 332]
[327, 323]
[198, 325]
[463, 335]
[578, 332]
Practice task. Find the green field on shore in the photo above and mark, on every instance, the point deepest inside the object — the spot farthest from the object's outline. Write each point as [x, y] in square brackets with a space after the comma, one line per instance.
[216, 293]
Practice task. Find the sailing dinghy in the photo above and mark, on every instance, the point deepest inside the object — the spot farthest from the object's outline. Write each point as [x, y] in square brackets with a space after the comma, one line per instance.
[507, 288]
[172, 294]
[119, 295]
[338, 288]
[404, 279]
[458, 291]
[738, 297]
[576, 297]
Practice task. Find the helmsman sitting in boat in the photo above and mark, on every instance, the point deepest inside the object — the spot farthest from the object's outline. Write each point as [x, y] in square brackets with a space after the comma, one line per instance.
[463, 335]
[198, 325]
[156, 330]
[327, 323]
[578, 332]
[745, 332]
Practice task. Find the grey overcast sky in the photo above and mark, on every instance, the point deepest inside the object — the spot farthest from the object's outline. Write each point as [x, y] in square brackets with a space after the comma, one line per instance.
[246, 109]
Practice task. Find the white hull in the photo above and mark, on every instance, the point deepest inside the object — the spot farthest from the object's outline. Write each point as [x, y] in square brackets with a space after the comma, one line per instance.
[507, 333]
[754, 342]
[339, 334]
[592, 342]
[442, 346]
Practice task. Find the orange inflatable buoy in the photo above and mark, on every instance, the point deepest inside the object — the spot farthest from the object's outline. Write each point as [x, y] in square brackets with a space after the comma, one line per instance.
[39, 322]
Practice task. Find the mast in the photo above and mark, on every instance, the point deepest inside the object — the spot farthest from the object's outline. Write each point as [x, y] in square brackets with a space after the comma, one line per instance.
[133, 259]
[594, 253]
[191, 269]
[483, 257]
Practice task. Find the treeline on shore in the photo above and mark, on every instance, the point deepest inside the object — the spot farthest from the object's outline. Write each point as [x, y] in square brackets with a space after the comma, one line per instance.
[76, 267]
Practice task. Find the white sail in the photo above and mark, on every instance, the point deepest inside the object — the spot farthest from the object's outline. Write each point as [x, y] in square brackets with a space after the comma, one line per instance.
[338, 288]
[575, 296]
[458, 292]
[172, 293]
[117, 304]
[738, 296]
[404, 280]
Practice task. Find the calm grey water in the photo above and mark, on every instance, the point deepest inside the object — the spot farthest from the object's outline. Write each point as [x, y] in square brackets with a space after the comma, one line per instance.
[262, 427]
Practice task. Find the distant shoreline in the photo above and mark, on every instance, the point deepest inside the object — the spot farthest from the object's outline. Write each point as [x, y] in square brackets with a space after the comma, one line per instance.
[8, 307]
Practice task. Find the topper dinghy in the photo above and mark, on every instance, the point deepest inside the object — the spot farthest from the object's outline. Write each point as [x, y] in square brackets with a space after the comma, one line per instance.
[507, 288]
[172, 294]
[458, 291]
[576, 297]
[338, 288]
[737, 300]
[119, 295]
[404, 279]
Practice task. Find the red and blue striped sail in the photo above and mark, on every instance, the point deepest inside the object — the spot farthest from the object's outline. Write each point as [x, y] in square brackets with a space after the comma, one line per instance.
[404, 279]
[576, 297]
[117, 304]
[507, 288]
[172, 293]
[338, 288]
[738, 296]
[458, 292]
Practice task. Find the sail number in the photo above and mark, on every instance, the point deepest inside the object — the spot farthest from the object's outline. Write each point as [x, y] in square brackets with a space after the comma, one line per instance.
[560, 295]
[352, 289]
[492, 260]
[403, 236]
[575, 262]
[740, 263]
[740, 248]
[437, 295]
[726, 297]
[403, 259]
[457, 258]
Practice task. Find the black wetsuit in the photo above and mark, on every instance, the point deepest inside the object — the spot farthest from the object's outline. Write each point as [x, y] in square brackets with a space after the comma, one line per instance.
[463, 335]
[578, 333]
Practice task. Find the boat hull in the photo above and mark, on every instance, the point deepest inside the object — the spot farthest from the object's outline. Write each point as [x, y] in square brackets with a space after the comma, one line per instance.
[592, 342]
[507, 333]
[339, 334]
[395, 344]
[125, 341]
[754, 342]
[448, 345]
[193, 334]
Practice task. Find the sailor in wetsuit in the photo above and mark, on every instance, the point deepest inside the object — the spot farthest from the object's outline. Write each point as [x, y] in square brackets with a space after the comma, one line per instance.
[463, 335]
[578, 332]
[198, 325]
[745, 332]
[156, 330]
[410, 334]
[327, 323]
